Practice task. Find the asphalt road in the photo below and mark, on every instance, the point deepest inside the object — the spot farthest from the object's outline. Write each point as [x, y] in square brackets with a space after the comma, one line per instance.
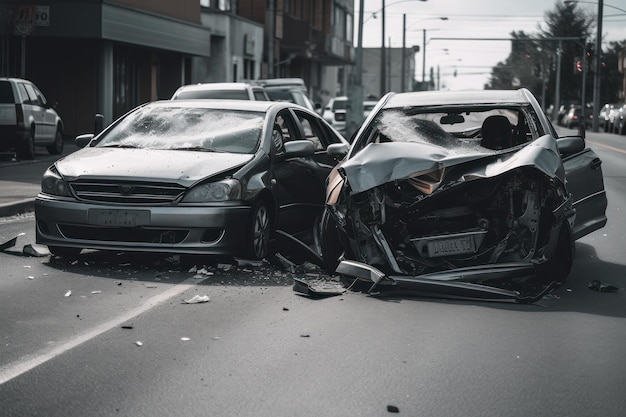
[259, 349]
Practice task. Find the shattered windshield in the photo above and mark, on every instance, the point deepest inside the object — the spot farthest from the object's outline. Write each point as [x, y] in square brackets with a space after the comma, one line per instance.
[457, 130]
[184, 128]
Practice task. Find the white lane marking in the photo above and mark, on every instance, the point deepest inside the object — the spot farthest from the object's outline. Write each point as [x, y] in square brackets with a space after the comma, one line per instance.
[607, 146]
[17, 368]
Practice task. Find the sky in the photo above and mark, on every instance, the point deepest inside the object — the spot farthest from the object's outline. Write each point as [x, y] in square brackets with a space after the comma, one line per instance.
[472, 60]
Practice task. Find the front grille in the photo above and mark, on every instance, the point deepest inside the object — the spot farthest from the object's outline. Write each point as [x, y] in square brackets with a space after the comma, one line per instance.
[124, 234]
[124, 192]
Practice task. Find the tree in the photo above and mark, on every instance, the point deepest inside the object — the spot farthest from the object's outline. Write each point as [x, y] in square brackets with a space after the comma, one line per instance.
[532, 61]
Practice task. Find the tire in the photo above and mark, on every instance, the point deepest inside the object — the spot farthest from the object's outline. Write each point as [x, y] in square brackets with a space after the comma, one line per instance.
[57, 147]
[64, 252]
[26, 149]
[259, 232]
[558, 267]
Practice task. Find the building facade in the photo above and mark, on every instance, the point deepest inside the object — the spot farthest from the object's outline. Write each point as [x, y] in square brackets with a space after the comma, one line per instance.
[108, 56]
[396, 81]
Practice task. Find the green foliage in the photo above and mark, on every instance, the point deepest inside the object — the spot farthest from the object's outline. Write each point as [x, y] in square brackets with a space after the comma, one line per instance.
[532, 62]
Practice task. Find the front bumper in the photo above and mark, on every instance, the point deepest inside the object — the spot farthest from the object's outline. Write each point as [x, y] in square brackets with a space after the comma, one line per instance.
[176, 229]
[461, 283]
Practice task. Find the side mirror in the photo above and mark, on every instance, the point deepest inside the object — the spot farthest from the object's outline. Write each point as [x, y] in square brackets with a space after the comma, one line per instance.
[570, 144]
[296, 148]
[83, 140]
[338, 150]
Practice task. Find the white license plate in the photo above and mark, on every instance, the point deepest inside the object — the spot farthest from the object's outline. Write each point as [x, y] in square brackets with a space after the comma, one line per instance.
[452, 246]
[119, 218]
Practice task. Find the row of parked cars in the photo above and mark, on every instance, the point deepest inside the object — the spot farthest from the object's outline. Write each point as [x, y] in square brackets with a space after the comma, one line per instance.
[611, 118]
[467, 194]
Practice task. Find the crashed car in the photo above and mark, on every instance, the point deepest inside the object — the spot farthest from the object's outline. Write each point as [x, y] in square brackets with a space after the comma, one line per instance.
[460, 194]
[206, 177]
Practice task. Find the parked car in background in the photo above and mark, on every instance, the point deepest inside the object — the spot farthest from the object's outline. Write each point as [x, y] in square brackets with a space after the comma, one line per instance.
[190, 176]
[290, 94]
[460, 194]
[574, 117]
[619, 121]
[368, 106]
[27, 119]
[335, 113]
[223, 91]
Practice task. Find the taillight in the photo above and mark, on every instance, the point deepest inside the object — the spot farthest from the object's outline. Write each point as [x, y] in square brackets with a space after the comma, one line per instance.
[19, 114]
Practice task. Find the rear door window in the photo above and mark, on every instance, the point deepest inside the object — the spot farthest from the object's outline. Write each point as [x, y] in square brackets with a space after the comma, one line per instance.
[6, 93]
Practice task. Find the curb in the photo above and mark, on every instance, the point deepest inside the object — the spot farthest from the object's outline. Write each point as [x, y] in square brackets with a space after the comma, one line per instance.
[17, 207]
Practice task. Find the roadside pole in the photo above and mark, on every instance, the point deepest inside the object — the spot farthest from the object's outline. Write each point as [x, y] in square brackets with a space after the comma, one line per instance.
[354, 112]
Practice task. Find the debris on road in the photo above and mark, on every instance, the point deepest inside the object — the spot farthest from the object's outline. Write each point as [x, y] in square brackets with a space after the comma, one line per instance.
[35, 250]
[393, 409]
[11, 242]
[138, 343]
[68, 293]
[196, 299]
[318, 287]
[598, 286]
[185, 339]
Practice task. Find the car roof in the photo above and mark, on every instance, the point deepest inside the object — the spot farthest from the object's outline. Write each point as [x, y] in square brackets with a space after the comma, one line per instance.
[442, 98]
[245, 105]
[218, 86]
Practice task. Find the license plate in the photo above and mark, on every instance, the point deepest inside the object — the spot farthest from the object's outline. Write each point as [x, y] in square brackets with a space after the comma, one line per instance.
[452, 246]
[119, 218]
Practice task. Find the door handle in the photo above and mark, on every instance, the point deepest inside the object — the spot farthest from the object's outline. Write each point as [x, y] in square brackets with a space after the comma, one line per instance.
[595, 164]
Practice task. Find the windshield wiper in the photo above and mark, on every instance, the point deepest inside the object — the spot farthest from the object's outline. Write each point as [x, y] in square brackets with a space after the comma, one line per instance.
[196, 148]
[117, 145]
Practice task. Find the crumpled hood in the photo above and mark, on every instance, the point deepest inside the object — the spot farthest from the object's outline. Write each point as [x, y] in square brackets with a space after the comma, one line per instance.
[380, 163]
[183, 167]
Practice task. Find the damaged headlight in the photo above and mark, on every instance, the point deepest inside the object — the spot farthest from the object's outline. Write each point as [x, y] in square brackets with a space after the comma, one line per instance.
[225, 190]
[52, 183]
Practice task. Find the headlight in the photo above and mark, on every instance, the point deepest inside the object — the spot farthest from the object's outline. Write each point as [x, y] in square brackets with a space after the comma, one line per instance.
[52, 183]
[226, 190]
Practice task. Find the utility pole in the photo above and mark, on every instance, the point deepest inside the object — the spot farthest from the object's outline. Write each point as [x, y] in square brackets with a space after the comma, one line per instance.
[383, 61]
[597, 65]
[354, 112]
[270, 40]
[403, 71]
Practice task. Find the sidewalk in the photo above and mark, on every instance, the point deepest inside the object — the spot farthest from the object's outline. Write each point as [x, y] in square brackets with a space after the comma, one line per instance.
[20, 180]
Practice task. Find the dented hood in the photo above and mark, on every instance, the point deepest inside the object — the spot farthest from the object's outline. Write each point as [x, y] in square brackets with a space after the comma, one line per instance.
[182, 167]
[380, 163]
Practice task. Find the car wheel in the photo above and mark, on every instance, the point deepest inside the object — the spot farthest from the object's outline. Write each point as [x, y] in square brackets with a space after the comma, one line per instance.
[259, 231]
[557, 268]
[26, 149]
[64, 252]
[57, 147]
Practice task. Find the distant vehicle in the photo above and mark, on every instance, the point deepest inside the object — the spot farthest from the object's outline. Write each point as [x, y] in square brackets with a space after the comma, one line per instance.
[335, 113]
[190, 176]
[222, 91]
[27, 119]
[619, 121]
[574, 116]
[297, 83]
[290, 94]
[613, 112]
[368, 106]
[603, 115]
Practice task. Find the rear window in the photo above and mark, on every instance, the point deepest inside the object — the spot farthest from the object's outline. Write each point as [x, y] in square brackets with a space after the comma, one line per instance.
[340, 104]
[6, 92]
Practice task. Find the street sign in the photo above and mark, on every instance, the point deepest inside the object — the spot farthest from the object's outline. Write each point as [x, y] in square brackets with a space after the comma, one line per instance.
[24, 19]
[42, 15]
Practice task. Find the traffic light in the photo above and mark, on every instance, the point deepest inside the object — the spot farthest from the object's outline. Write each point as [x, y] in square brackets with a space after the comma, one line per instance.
[578, 65]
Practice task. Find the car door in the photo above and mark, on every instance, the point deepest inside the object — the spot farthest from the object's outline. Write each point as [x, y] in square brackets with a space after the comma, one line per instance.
[583, 171]
[49, 116]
